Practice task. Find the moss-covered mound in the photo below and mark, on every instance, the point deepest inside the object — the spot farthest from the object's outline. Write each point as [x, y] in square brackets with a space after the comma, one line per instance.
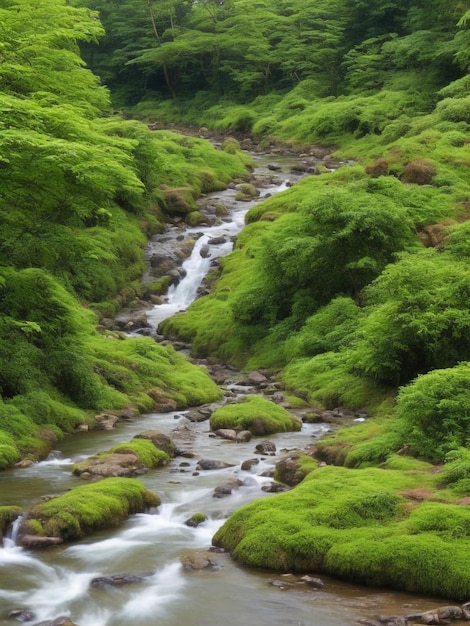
[125, 459]
[256, 414]
[85, 509]
[367, 526]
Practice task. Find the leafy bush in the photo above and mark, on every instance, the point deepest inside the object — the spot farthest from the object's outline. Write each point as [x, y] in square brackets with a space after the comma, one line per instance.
[436, 411]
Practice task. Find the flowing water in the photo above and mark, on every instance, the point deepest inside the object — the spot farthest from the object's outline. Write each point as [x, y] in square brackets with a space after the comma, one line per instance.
[58, 581]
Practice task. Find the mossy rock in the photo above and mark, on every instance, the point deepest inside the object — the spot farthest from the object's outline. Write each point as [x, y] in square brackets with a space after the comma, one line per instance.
[125, 459]
[256, 414]
[88, 508]
[231, 145]
[194, 218]
[160, 440]
[358, 525]
[246, 191]
[196, 520]
[179, 201]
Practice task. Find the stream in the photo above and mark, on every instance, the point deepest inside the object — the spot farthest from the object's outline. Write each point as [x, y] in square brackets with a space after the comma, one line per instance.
[58, 581]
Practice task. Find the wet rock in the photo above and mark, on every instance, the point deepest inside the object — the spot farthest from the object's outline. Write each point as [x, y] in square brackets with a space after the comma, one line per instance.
[199, 560]
[266, 447]
[441, 615]
[116, 580]
[289, 469]
[196, 520]
[204, 251]
[121, 464]
[312, 581]
[227, 487]
[211, 464]
[226, 433]
[282, 584]
[21, 614]
[274, 487]
[258, 379]
[105, 421]
[200, 414]
[31, 542]
[268, 473]
[244, 436]
[160, 440]
[278, 397]
[217, 241]
[24, 463]
[248, 464]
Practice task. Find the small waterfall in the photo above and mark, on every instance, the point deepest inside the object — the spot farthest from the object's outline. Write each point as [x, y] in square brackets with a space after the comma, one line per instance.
[180, 296]
[11, 536]
[196, 267]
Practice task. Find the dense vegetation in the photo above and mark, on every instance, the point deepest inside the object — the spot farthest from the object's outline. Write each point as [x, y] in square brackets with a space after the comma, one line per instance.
[81, 190]
[352, 286]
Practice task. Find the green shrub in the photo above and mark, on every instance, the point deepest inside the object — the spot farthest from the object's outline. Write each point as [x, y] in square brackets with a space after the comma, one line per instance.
[435, 409]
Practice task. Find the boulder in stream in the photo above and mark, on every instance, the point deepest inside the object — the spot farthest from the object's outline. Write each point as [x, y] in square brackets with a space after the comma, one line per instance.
[199, 560]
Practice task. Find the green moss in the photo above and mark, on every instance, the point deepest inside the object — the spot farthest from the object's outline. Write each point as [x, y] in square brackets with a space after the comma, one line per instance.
[146, 452]
[194, 218]
[88, 508]
[256, 414]
[355, 524]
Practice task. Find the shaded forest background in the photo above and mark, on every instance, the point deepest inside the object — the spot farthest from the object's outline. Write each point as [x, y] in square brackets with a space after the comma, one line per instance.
[353, 286]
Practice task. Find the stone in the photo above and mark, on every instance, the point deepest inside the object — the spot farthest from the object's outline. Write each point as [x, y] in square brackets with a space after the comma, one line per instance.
[266, 447]
[115, 580]
[211, 464]
[31, 542]
[244, 436]
[226, 433]
[160, 440]
[198, 561]
[248, 464]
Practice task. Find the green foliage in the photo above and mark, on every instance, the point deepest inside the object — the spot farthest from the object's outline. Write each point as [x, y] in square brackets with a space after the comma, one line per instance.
[88, 508]
[456, 471]
[256, 414]
[435, 408]
[330, 329]
[9, 453]
[418, 319]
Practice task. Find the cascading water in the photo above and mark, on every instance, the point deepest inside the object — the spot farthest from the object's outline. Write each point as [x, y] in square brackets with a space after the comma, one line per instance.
[197, 265]
[9, 541]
